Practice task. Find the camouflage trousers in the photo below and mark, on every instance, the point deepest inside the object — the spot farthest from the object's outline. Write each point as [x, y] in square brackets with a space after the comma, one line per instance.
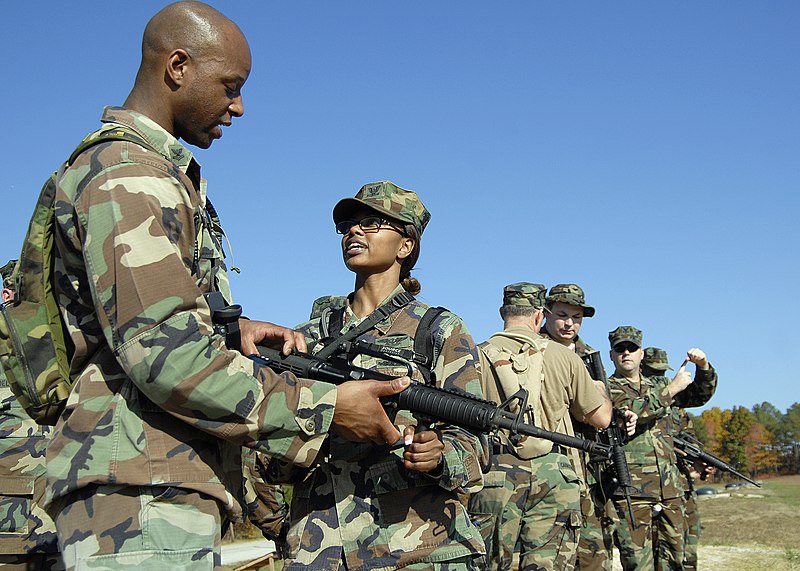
[657, 540]
[691, 531]
[596, 543]
[139, 527]
[537, 506]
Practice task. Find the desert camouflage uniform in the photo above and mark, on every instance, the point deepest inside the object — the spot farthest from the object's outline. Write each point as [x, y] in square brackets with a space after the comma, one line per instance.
[160, 407]
[537, 500]
[658, 487]
[360, 508]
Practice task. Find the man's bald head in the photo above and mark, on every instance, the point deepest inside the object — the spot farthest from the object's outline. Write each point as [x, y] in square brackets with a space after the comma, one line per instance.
[193, 26]
[194, 64]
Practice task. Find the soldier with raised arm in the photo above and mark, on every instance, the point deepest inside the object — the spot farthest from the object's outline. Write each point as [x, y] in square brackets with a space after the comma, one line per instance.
[658, 488]
[656, 363]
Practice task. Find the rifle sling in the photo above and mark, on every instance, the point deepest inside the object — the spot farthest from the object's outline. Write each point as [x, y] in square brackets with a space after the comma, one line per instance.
[398, 301]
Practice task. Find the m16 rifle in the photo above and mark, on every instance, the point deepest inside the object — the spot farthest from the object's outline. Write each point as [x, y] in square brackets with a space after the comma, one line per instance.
[430, 403]
[690, 446]
[614, 436]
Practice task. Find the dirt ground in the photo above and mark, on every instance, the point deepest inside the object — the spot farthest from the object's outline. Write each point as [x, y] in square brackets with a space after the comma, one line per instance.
[749, 529]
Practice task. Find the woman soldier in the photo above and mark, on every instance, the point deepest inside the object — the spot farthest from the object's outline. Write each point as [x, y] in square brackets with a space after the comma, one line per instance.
[371, 506]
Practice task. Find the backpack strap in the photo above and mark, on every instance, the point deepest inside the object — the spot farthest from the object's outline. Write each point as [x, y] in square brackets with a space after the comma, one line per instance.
[398, 301]
[425, 346]
[117, 133]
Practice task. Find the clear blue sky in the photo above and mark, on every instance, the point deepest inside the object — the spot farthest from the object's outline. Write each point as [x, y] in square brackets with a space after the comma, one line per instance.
[646, 150]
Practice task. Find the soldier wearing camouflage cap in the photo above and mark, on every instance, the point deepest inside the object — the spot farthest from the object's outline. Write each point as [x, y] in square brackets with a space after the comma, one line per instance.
[27, 533]
[566, 304]
[532, 489]
[146, 460]
[650, 453]
[656, 363]
[355, 508]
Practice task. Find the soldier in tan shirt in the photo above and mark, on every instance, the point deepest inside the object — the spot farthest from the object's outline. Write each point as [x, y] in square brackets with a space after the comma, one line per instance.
[532, 487]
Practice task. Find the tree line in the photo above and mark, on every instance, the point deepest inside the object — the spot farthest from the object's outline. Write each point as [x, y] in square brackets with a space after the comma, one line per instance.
[758, 441]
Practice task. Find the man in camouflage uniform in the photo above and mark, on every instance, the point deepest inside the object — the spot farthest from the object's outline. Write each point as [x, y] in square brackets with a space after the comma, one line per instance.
[27, 533]
[656, 363]
[658, 489]
[567, 308]
[532, 488]
[144, 466]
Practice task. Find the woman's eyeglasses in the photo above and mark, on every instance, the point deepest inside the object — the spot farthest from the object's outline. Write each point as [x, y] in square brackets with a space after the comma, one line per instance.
[367, 224]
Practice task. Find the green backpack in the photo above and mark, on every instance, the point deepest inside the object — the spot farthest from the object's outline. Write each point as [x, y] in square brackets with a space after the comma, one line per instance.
[35, 347]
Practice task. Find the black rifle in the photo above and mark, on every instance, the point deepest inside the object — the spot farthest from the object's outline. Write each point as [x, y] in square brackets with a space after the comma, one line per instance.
[614, 436]
[430, 403]
[691, 447]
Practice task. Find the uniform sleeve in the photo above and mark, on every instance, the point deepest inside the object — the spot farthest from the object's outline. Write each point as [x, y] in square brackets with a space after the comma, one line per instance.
[585, 397]
[456, 368]
[138, 236]
[700, 391]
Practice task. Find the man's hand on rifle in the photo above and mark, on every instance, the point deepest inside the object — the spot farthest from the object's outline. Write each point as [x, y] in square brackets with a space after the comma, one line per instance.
[359, 415]
[630, 421]
[264, 333]
[423, 451]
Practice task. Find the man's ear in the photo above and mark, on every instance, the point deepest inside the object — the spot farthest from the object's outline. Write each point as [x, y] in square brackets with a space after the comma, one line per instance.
[177, 66]
[538, 318]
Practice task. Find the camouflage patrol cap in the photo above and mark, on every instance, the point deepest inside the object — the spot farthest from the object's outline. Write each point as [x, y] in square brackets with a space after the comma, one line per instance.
[656, 358]
[7, 272]
[389, 199]
[625, 333]
[524, 294]
[571, 294]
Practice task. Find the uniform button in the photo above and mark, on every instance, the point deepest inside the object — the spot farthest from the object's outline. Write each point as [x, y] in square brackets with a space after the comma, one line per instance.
[310, 426]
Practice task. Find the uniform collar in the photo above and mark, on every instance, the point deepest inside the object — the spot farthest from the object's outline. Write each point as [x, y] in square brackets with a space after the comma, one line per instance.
[158, 137]
[351, 319]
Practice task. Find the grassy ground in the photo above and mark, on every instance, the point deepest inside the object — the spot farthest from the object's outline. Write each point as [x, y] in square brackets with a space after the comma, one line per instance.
[748, 529]
[755, 528]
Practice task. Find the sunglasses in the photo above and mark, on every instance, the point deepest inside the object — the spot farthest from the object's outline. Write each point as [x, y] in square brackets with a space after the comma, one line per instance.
[367, 224]
[622, 347]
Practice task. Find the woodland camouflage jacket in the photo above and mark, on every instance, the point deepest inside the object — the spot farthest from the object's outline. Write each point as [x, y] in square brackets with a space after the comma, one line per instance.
[158, 399]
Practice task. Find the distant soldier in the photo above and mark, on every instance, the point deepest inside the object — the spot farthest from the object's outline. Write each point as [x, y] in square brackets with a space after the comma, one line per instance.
[532, 488]
[655, 363]
[567, 307]
[658, 490]
[27, 534]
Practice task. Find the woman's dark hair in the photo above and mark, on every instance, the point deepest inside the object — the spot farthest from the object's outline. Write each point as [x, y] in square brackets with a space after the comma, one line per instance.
[411, 285]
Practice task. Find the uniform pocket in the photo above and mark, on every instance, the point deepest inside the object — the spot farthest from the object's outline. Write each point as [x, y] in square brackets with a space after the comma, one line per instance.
[14, 512]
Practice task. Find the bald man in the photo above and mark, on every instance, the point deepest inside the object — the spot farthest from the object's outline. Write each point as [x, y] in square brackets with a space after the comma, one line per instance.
[144, 468]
